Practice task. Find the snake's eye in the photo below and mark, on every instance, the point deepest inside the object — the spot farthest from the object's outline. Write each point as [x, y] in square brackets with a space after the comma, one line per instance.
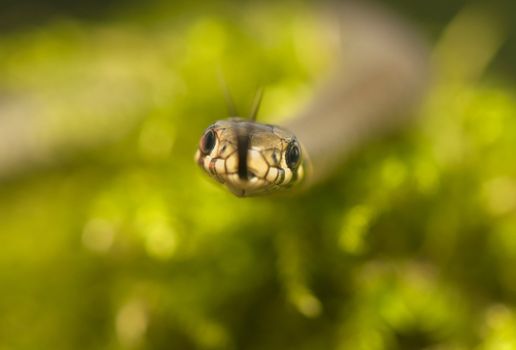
[293, 155]
[208, 141]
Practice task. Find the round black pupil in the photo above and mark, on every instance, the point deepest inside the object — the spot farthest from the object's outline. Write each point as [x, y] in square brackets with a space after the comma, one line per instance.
[208, 142]
[293, 156]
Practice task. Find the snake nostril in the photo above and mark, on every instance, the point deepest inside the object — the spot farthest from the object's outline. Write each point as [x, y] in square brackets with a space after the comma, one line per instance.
[275, 157]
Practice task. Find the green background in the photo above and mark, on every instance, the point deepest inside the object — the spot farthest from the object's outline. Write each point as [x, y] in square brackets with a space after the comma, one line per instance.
[112, 238]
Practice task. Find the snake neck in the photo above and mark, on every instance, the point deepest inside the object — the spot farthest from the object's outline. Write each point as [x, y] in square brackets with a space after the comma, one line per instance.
[381, 75]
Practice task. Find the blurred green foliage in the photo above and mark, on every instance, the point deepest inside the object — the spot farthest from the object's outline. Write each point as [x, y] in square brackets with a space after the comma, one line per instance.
[111, 238]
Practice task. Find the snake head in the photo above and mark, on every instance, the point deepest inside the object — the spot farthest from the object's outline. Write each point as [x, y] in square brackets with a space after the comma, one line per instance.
[250, 158]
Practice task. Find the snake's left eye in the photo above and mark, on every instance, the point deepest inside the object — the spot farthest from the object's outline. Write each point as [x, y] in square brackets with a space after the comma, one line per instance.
[208, 141]
[293, 155]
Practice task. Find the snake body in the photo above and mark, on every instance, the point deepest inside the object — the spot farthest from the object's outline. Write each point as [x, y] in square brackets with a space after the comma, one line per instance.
[380, 73]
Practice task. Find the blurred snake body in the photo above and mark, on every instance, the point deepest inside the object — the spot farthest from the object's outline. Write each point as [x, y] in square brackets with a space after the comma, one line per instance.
[380, 73]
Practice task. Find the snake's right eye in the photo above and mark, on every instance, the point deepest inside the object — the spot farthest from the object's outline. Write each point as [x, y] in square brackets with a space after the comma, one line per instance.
[293, 155]
[208, 141]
